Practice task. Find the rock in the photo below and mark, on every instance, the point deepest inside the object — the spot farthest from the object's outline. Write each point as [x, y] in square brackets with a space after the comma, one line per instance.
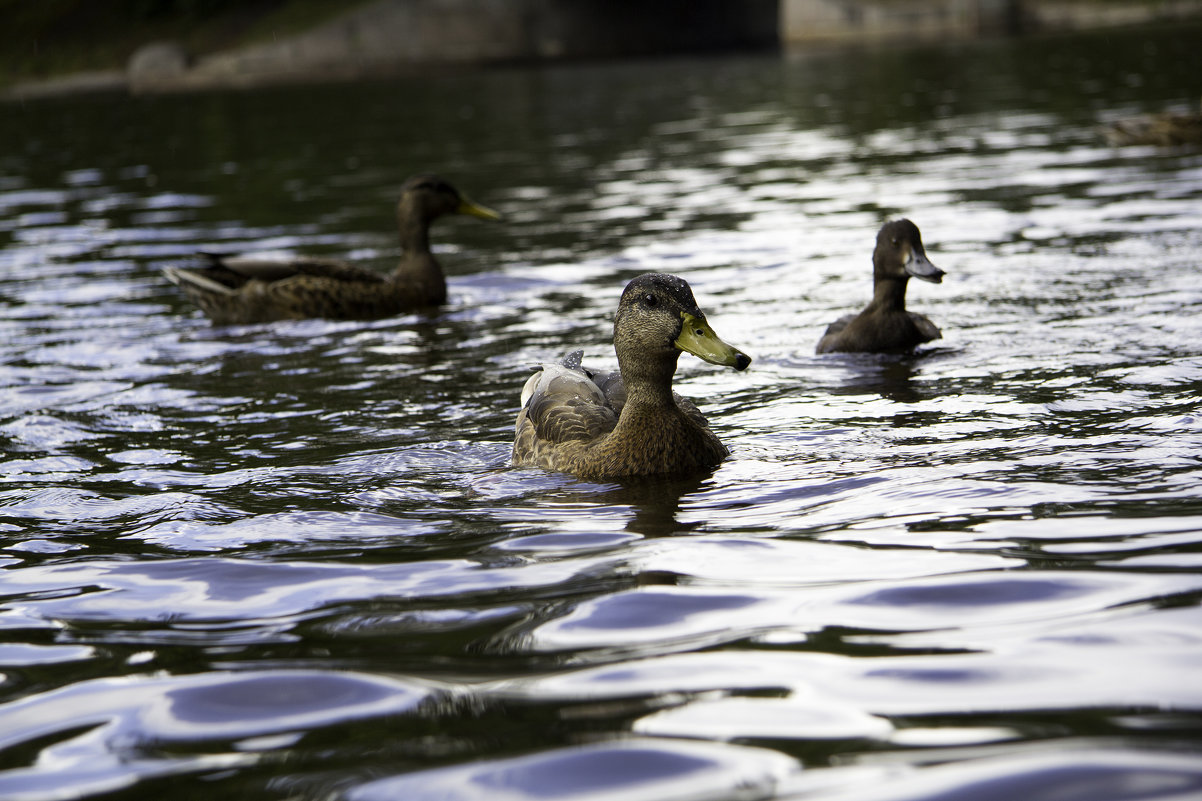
[158, 64]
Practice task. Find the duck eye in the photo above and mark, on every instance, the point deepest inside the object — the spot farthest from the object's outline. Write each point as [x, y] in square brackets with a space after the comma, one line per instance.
[650, 301]
[894, 240]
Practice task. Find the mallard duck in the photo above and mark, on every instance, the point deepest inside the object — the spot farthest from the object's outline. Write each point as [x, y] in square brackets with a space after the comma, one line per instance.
[628, 423]
[1165, 130]
[885, 325]
[246, 289]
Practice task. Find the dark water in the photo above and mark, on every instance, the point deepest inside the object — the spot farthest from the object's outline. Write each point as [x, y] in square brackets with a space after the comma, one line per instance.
[290, 561]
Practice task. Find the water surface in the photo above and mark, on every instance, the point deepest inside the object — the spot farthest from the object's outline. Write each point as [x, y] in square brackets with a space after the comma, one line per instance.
[291, 560]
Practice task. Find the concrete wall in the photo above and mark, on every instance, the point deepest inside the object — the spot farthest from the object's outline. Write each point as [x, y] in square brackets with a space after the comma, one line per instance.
[393, 34]
[843, 20]
[1050, 15]
[858, 20]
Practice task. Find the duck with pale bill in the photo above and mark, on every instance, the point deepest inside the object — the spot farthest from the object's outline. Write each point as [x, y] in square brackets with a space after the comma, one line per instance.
[884, 326]
[630, 422]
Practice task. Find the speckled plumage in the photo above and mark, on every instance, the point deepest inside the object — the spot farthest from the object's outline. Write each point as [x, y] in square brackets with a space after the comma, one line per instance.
[612, 425]
[885, 326]
[240, 289]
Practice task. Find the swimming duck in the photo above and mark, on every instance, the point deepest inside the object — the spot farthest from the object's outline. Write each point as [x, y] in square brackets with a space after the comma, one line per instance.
[246, 289]
[885, 325]
[628, 423]
[1165, 130]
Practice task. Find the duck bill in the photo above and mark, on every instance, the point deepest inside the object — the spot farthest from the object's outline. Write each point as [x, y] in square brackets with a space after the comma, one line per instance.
[476, 210]
[920, 267]
[699, 339]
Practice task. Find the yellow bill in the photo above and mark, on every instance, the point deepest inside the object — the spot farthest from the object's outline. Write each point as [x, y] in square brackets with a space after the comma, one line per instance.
[476, 210]
[699, 339]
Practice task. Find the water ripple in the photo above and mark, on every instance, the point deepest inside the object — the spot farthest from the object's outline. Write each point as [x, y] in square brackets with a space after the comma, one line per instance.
[292, 559]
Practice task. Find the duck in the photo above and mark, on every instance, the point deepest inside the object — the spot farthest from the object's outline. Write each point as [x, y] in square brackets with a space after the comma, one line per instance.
[611, 425]
[233, 290]
[885, 326]
[1164, 130]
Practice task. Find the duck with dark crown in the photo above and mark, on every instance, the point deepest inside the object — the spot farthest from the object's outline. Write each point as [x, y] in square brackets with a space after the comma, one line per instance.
[885, 326]
[627, 423]
[246, 289]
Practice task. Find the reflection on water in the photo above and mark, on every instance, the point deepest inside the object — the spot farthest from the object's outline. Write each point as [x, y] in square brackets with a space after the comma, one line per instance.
[292, 560]
[891, 377]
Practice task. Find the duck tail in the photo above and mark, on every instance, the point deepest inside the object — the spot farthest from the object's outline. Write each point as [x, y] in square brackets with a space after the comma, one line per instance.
[188, 278]
[572, 360]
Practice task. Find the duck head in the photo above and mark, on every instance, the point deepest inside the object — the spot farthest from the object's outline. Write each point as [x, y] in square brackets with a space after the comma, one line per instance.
[427, 197]
[658, 318]
[899, 254]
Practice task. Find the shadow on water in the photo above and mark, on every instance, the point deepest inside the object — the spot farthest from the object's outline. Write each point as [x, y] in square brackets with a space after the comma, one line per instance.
[656, 503]
[645, 506]
[889, 376]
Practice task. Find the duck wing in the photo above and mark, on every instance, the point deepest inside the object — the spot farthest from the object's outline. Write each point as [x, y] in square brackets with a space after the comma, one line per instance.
[225, 275]
[836, 328]
[242, 289]
[237, 270]
[561, 403]
[609, 382]
[926, 328]
[829, 340]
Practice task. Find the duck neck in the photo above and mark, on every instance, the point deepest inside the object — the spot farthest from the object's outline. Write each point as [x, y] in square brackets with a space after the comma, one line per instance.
[418, 268]
[414, 229]
[653, 433]
[648, 383]
[889, 293]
